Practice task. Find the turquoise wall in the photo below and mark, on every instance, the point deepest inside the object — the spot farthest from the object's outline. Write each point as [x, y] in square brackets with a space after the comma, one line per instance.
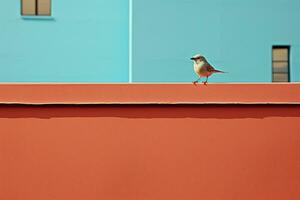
[83, 41]
[89, 41]
[235, 35]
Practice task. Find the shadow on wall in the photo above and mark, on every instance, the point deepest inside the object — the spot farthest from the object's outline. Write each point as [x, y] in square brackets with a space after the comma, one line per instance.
[149, 111]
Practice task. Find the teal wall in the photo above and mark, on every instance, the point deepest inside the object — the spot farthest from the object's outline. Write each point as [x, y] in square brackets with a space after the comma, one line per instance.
[89, 41]
[84, 41]
[235, 35]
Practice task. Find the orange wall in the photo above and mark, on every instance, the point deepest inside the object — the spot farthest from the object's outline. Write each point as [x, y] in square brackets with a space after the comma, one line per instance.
[150, 152]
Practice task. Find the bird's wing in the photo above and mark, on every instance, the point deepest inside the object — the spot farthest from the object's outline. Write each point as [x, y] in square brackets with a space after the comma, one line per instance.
[213, 70]
[209, 68]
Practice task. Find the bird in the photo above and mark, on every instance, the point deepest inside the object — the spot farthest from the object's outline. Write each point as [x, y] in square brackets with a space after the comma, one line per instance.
[202, 68]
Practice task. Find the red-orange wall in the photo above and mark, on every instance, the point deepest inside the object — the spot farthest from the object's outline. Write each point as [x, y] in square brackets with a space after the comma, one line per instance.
[150, 152]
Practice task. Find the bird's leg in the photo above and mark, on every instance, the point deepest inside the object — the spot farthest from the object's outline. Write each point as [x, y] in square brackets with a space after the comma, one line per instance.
[196, 81]
[205, 82]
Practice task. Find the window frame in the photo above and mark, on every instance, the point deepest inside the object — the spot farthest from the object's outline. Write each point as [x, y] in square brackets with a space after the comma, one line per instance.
[36, 10]
[288, 48]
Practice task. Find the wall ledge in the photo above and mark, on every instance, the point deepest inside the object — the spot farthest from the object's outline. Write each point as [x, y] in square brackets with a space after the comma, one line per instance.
[173, 94]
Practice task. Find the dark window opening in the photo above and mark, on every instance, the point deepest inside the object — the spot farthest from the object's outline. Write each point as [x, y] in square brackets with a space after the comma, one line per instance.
[281, 64]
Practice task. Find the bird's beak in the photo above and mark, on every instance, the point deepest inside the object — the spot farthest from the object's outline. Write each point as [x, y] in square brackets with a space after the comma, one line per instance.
[192, 58]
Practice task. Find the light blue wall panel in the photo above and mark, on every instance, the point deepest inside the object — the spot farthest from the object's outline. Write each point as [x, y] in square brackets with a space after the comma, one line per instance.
[85, 41]
[236, 36]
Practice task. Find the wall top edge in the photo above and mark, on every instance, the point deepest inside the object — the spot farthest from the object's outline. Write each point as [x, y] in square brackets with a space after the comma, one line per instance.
[83, 94]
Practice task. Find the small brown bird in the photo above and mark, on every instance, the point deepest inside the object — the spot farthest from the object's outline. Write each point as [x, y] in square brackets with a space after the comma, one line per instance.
[202, 68]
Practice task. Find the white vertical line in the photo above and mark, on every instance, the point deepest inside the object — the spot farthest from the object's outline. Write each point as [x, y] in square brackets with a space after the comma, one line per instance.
[130, 39]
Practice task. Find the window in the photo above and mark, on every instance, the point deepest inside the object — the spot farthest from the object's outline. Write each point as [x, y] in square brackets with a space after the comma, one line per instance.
[36, 7]
[281, 63]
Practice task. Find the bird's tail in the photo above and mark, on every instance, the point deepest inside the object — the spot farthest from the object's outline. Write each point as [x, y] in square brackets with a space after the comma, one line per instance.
[218, 71]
